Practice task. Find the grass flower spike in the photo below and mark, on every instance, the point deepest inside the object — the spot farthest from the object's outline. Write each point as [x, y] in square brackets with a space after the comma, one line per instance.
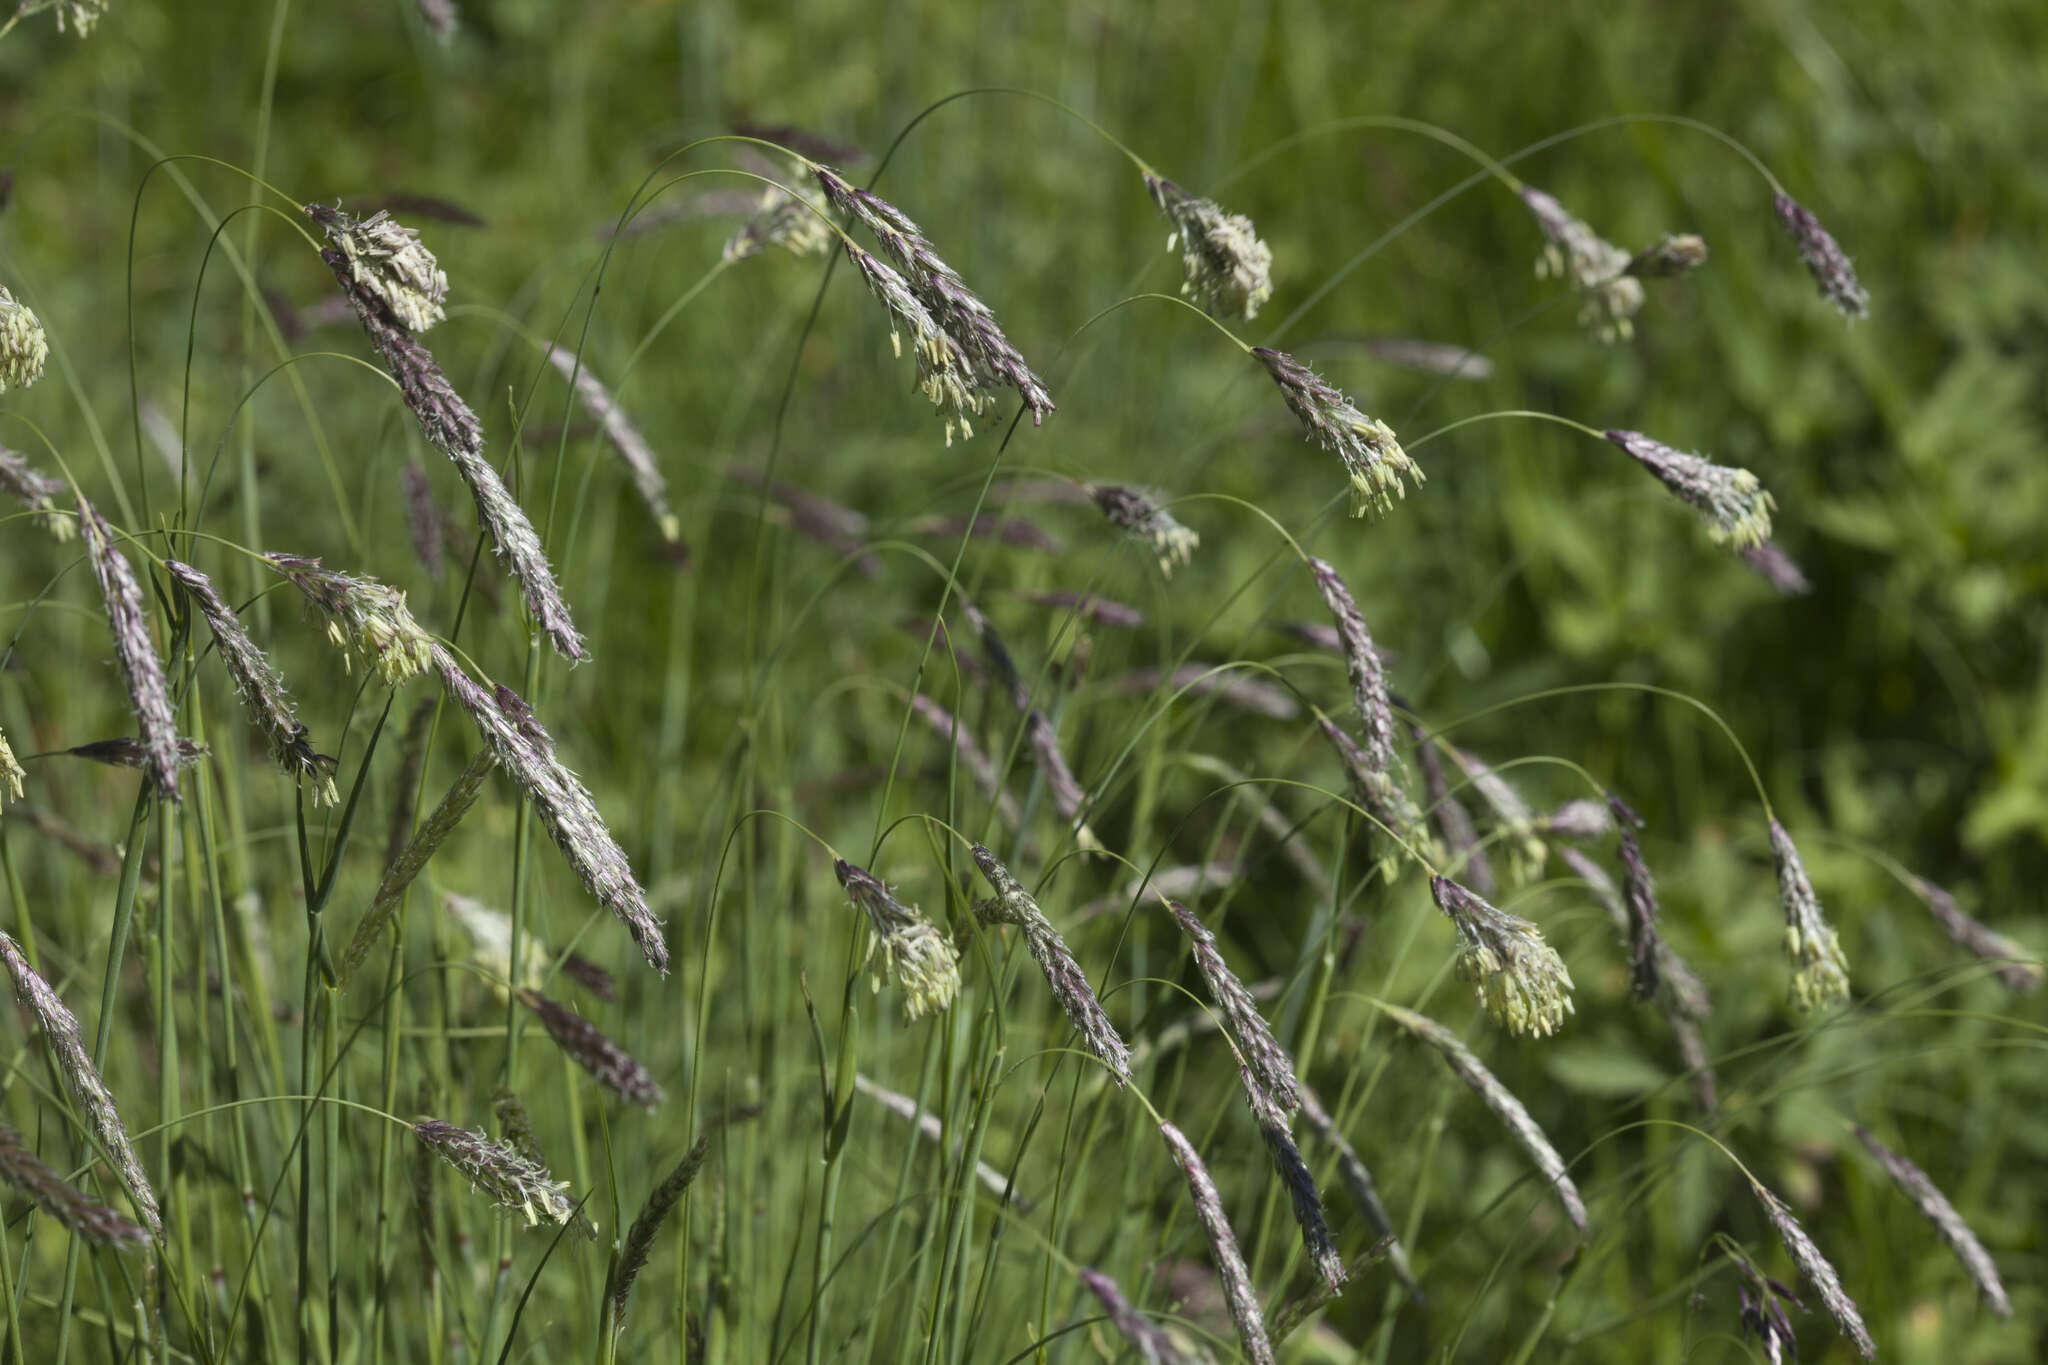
[1518, 977]
[512, 1179]
[54, 1195]
[913, 950]
[141, 669]
[611, 1065]
[625, 438]
[1012, 904]
[1372, 455]
[1153, 1346]
[1736, 507]
[1266, 1061]
[1139, 513]
[12, 775]
[1230, 1266]
[388, 261]
[23, 347]
[1610, 296]
[944, 374]
[1824, 259]
[1820, 974]
[36, 491]
[1936, 1209]
[1818, 1271]
[1224, 265]
[364, 617]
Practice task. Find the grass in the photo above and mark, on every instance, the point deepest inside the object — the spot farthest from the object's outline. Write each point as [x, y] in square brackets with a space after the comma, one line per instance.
[746, 716]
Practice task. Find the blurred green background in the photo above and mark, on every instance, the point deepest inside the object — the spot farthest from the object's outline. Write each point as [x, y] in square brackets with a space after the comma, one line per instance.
[1899, 705]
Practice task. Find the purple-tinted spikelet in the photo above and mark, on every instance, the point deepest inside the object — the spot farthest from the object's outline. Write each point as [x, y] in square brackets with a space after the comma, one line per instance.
[508, 1176]
[1734, 505]
[1153, 1346]
[81, 1078]
[1012, 904]
[1609, 295]
[1224, 265]
[54, 1195]
[1256, 1045]
[991, 359]
[1935, 1208]
[387, 261]
[1099, 610]
[1777, 568]
[36, 491]
[639, 1241]
[1371, 453]
[1139, 513]
[1449, 818]
[1377, 792]
[1761, 1312]
[1639, 893]
[591, 977]
[363, 617]
[451, 427]
[1362, 665]
[1302, 1194]
[1978, 937]
[141, 669]
[1819, 1273]
[1230, 1266]
[611, 1065]
[1824, 258]
[1068, 797]
[625, 438]
[257, 684]
[564, 805]
[1518, 977]
[425, 525]
[945, 375]
[1820, 970]
[913, 949]
[1358, 1182]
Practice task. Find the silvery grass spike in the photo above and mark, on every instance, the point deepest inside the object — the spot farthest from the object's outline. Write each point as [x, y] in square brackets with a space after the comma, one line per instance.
[1502, 1102]
[1153, 1346]
[370, 281]
[565, 806]
[1979, 938]
[1816, 1268]
[945, 375]
[1230, 1266]
[639, 1241]
[12, 774]
[258, 685]
[1734, 505]
[1139, 513]
[1518, 977]
[1371, 453]
[1609, 296]
[81, 1078]
[973, 757]
[1362, 666]
[608, 1063]
[957, 309]
[927, 1126]
[1820, 973]
[23, 347]
[412, 859]
[141, 669]
[1302, 1194]
[1358, 1182]
[1012, 904]
[1582, 820]
[497, 1170]
[69, 1205]
[36, 491]
[913, 950]
[1383, 799]
[1824, 259]
[364, 617]
[1261, 1052]
[1224, 266]
[1935, 1208]
[489, 933]
[625, 438]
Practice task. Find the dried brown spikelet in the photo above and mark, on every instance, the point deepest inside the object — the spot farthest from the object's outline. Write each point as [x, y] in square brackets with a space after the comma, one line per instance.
[1976, 936]
[1371, 453]
[608, 1063]
[36, 491]
[1733, 503]
[625, 438]
[412, 859]
[363, 617]
[1817, 1270]
[1012, 904]
[1518, 977]
[1153, 1346]
[1302, 1195]
[1824, 259]
[1935, 1208]
[511, 1179]
[141, 669]
[1230, 1266]
[51, 1193]
[23, 347]
[564, 805]
[1820, 974]
[1597, 269]
[1139, 513]
[639, 1243]
[1358, 1182]
[258, 685]
[1260, 1050]
[913, 949]
[81, 1078]
[1224, 265]
[1502, 1102]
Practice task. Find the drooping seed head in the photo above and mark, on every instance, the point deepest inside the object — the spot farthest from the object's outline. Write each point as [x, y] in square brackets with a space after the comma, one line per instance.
[1639, 893]
[1735, 506]
[1676, 254]
[23, 347]
[1820, 974]
[1129, 509]
[1761, 1312]
[913, 950]
[388, 260]
[1153, 1346]
[1224, 265]
[507, 1176]
[1302, 1194]
[50, 1192]
[148, 693]
[364, 617]
[1979, 938]
[1260, 1050]
[1371, 453]
[1819, 1273]
[1358, 1182]
[608, 1063]
[1223, 1247]
[36, 491]
[639, 1241]
[1362, 666]
[1517, 975]
[944, 373]
[624, 437]
[1382, 794]
[1609, 296]
[1824, 259]
[779, 219]
[1012, 904]
[1934, 1206]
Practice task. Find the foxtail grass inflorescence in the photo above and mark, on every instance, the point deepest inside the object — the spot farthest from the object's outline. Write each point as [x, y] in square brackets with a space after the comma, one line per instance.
[1267, 1061]
[1935, 1208]
[1502, 1102]
[1012, 904]
[1139, 513]
[1609, 295]
[388, 261]
[1820, 973]
[1734, 505]
[913, 950]
[23, 347]
[1815, 1267]
[624, 436]
[945, 375]
[1830, 268]
[364, 617]
[1371, 453]
[1230, 1266]
[36, 491]
[1224, 265]
[1518, 977]
[81, 1078]
[1153, 1346]
[258, 685]
[564, 804]
[608, 1063]
[639, 1243]
[1978, 937]
[141, 669]
[69, 1205]
[1302, 1194]
[511, 1179]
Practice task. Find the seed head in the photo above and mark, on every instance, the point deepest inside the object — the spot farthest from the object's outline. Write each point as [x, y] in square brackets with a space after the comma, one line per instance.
[944, 373]
[141, 669]
[1370, 452]
[1224, 265]
[1820, 973]
[1818, 1272]
[388, 261]
[1230, 1266]
[1935, 1208]
[12, 774]
[1358, 1182]
[364, 617]
[490, 942]
[1518, 977]
[1830, 268]
[625, 438]
[913, 950]
[1267, 1061]
[640, 1238]
[1777, 568]
[36, 491]
[23, 347]
[1980, 938]
[1761, 1313]
[511, 1179]
[779, 219]
[1382, 793]
[1306, 1200]
[125, 752]
[79, 15]
[1675, 255]
[1012, 904]
[1736, 507]
[1639, 891]
[1362, 665]
[1153, 1346]
[1609, 296]
[612, 1066]
[1129, 509]
[54, 1195]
